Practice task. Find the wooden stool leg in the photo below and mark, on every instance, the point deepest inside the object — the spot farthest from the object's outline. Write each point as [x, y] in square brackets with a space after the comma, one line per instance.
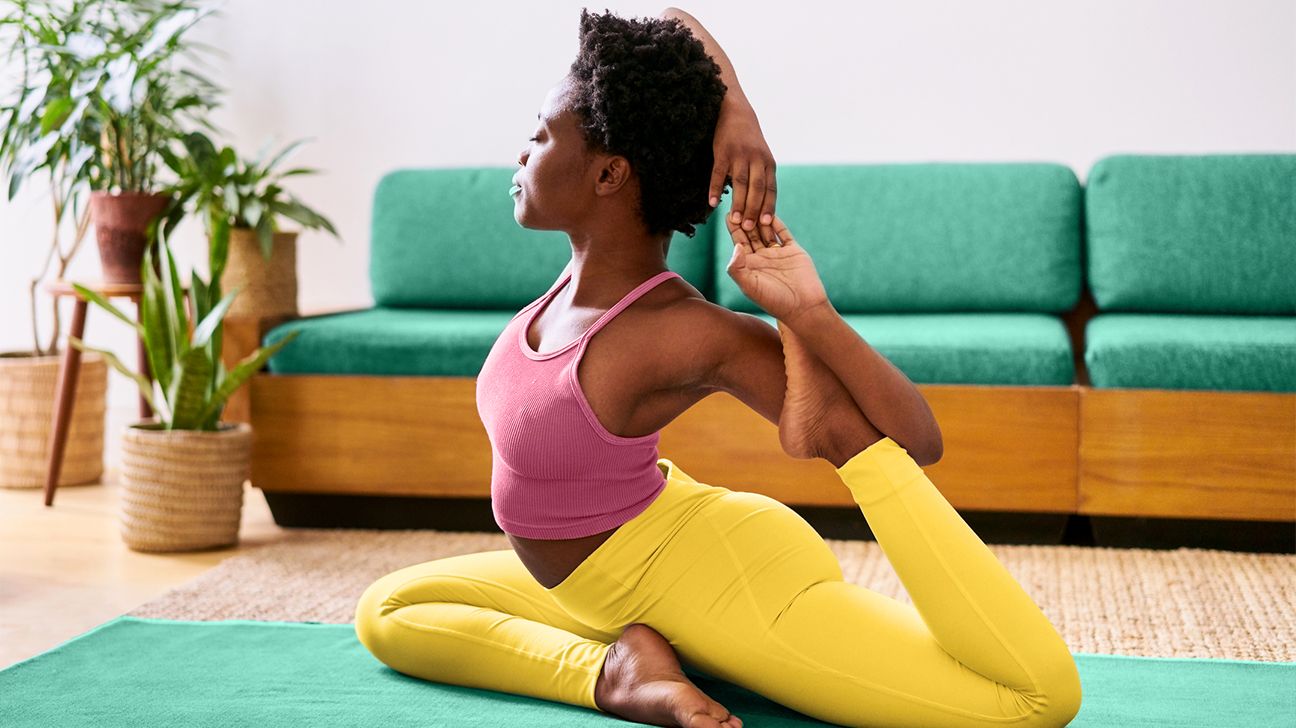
[69, 372]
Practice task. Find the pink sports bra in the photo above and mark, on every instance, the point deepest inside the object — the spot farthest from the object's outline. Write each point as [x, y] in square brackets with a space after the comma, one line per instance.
[556, 472]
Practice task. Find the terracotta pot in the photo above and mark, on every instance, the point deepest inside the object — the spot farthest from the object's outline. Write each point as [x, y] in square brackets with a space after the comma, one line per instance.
[121, 221]
[182, 490]
[28, 386]
[269, 286]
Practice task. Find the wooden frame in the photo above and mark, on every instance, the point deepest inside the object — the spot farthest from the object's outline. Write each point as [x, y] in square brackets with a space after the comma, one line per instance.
[1041, 449]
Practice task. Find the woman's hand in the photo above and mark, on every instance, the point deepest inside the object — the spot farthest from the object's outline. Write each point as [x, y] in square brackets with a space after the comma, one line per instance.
[742, 154]
[779, 278]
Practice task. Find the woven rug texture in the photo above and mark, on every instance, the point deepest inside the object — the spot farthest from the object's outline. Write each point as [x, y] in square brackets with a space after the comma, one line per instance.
[1140, 602]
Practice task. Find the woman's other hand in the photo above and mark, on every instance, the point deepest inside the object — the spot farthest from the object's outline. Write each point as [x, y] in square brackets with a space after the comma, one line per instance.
[742, 154]
[780, 278]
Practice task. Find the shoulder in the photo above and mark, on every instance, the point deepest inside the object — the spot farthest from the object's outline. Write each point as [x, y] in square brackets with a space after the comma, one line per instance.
[697, 344]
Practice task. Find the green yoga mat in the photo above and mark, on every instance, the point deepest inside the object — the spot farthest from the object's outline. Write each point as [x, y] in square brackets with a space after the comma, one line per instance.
[143, 673]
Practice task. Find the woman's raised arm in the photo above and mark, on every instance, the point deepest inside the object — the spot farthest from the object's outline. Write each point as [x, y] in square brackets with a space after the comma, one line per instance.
[741, 152]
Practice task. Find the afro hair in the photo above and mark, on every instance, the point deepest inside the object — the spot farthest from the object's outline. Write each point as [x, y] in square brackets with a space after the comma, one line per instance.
[647, 90]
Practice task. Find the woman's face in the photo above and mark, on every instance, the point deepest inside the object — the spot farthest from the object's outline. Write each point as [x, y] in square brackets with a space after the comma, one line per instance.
[553, 189]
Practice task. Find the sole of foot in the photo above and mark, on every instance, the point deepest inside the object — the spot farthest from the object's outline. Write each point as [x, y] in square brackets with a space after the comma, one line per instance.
[642, 681]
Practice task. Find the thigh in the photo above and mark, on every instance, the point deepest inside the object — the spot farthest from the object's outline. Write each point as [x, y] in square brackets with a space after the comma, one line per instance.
[480, 620]
[493, 580]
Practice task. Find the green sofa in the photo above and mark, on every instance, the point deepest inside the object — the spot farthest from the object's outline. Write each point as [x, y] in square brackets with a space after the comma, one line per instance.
[956, 272]
[1162, 276]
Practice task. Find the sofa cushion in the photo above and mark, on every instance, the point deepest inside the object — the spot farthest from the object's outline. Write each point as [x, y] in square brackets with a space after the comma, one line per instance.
[445, 238]
[1003, 348]
[969, 348]
[389, 341]
[930, 237]
[985, 349]
[1193, 234]
[1183, 351]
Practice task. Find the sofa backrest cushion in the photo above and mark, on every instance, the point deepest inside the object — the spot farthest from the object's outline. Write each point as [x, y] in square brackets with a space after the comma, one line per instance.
[930, 236]
[1192, 234]
[446, 238]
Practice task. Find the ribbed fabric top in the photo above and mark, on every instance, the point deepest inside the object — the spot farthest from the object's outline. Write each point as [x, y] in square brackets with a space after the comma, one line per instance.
[556, 472]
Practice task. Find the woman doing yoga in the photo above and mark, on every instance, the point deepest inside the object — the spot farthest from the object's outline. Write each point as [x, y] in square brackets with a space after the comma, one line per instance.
[624, 569]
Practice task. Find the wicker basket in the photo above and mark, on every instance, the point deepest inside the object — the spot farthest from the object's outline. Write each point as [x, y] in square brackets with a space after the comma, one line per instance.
[182, 490]
[269, 287]
[28, 386]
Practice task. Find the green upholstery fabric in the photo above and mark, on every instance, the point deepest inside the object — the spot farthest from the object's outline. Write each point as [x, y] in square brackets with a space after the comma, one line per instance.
[1182, 351]
[447, 239]
[974, 348]
[969, 348]
[930, 237]
[389, 341]
[1193, 234]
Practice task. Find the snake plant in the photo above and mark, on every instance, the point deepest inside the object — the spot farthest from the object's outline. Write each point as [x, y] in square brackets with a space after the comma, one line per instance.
[186, 366]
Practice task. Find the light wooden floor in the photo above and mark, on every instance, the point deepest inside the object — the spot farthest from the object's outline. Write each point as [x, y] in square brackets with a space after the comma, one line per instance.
[65, 570]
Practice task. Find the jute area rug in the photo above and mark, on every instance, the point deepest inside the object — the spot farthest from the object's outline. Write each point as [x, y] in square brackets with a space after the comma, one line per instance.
[1140, 602]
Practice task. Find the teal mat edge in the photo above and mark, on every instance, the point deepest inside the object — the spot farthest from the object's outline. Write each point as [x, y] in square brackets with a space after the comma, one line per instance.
[351, 627]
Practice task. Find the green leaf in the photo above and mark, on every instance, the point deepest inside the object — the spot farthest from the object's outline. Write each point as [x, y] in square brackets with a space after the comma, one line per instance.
[188, 390]
[203, 332]
[155, 339]
[145, 386]
[246, 367]
[104, 304]
[265, 233]
[304, 215]
[283, 154]
[54, 114]
[219, 251]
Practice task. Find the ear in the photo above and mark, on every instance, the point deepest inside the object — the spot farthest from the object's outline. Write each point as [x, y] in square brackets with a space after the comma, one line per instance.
[614, 174]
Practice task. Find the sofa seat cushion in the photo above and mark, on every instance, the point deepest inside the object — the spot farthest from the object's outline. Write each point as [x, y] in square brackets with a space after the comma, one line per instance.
[952, 348]
[1187, 351]
[389, 341]
[969, 348]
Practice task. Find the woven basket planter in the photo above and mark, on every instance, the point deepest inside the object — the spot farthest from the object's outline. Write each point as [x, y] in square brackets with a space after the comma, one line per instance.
[269, 286]
[182, 490]
[28, 386]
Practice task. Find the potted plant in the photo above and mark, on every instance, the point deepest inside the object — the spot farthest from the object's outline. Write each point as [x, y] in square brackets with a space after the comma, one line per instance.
[106, 82]
[183, 471]
[240, 203]
[41, 136]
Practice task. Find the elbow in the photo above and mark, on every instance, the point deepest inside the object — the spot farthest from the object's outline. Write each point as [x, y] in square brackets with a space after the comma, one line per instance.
[931, 453]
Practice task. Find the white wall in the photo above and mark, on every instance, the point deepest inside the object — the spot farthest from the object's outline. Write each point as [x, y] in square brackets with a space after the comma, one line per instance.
[385, 84]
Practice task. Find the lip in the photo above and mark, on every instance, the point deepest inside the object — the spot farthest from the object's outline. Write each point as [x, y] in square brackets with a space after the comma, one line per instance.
[515, 190]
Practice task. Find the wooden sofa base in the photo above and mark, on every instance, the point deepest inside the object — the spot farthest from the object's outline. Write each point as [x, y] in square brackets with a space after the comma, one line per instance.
[1062, 450]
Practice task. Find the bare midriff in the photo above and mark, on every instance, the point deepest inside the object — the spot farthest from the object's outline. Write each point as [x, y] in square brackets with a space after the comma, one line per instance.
[552, 561]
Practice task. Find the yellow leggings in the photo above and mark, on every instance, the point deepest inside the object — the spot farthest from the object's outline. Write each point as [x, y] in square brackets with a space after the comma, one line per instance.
[746, 591]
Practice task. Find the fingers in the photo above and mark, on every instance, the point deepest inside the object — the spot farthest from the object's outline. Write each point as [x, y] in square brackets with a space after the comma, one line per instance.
[753, 201]
[739, 236]
[766, 219]
[781, 230]
[718, 174]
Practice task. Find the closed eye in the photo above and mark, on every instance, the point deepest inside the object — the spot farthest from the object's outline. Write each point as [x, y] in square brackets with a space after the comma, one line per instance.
[532, 139]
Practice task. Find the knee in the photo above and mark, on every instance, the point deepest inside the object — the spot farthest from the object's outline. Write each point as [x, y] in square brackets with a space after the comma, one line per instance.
[1060, 697]
[373, 606]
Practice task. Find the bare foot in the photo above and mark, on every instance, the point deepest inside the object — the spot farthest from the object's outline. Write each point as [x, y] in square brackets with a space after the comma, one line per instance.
[642, 681]
[818, 410]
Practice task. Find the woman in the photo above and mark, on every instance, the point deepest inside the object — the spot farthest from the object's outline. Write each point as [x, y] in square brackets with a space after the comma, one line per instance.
[623, 567]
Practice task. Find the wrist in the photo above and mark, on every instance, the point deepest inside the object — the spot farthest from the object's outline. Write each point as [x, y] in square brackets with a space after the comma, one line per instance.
[806, 319]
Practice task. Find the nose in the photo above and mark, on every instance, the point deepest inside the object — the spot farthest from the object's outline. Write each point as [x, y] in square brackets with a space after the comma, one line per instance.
[523, 156]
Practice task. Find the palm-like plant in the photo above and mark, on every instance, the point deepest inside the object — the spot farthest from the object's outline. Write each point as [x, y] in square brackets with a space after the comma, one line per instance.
[229, 192]
[92, 91]
[185, 358]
